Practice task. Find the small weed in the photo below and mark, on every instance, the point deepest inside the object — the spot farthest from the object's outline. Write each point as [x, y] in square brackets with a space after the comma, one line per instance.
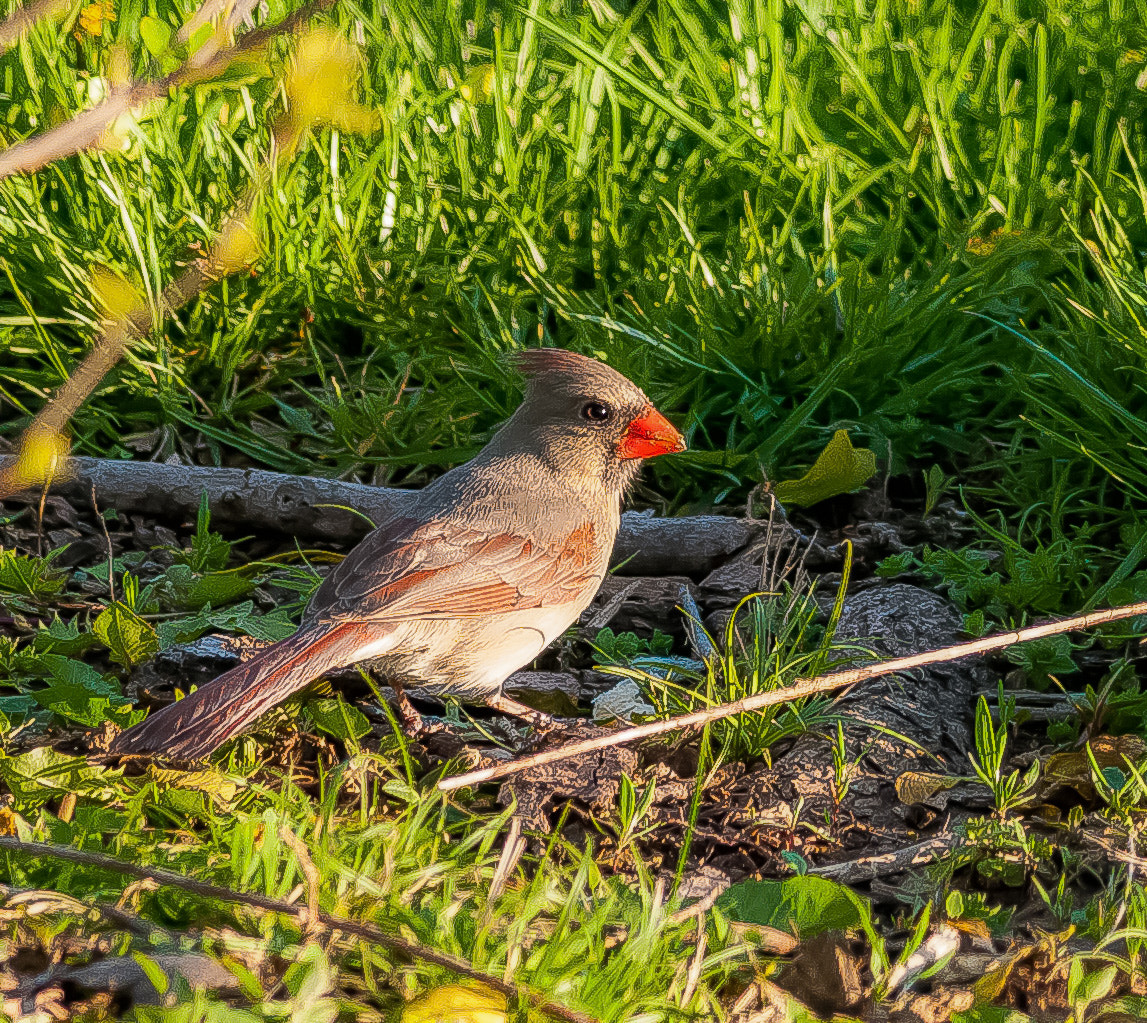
[1008, 792]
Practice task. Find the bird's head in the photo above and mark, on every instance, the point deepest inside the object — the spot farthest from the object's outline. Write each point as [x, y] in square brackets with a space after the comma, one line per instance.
[582, 417]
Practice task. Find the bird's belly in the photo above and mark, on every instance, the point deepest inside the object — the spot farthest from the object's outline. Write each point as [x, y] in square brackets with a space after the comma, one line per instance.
[473, 657]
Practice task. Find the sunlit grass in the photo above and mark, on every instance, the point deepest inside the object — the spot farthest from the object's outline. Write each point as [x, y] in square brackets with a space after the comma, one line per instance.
[774, 218]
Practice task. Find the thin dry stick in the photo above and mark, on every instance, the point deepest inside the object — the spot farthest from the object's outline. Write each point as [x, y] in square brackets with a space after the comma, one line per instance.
[369, 932]
[51, 420]
[23, 18]
[60, 408]
[87, 128]
[798, 690]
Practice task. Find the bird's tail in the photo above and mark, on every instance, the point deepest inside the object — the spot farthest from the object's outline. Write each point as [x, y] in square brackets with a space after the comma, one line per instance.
[204, 720]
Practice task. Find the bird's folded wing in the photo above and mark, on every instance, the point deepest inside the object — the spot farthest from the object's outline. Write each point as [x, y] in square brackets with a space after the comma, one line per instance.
[407, 569]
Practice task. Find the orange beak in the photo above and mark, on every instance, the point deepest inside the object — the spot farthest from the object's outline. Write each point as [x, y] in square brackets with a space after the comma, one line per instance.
[649, 435]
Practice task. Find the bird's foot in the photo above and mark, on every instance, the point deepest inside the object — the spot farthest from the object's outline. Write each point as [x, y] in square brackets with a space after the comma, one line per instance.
[412, 723]
[540, 721]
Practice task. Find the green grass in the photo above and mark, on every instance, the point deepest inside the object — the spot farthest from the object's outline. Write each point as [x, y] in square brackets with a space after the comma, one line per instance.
[387, 852]
[925, 223]
[778, 220]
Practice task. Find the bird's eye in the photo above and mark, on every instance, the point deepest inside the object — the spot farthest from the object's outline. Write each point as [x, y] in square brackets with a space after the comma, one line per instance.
[595, 412]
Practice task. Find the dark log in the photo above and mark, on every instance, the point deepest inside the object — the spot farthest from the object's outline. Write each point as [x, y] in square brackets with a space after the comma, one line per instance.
[255, 499]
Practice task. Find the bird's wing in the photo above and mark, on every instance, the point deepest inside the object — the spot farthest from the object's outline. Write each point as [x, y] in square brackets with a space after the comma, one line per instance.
[407, 569]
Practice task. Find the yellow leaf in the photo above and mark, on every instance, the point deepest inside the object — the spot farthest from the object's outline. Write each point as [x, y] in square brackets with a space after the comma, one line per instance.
[839, 469]
[41, 455]
[456, 1003]
[237, 247]
[9, 822]
[117, 297]
[321, 84]
[479, 84]
[219, 786]
[919, 786]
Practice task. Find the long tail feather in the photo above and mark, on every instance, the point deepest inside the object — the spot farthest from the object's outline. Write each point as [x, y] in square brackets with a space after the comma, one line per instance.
[203, 721]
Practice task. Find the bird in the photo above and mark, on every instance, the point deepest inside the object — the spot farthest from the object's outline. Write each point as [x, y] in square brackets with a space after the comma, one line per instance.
[475, 578]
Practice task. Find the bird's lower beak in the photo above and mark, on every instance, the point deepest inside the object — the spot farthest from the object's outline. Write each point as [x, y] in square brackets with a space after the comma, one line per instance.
[649, 435]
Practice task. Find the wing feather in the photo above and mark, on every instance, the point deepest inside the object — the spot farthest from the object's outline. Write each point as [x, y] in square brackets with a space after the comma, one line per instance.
[407, 569]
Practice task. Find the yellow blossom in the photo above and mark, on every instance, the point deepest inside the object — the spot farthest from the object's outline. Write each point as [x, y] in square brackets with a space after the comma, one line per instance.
[93, 17]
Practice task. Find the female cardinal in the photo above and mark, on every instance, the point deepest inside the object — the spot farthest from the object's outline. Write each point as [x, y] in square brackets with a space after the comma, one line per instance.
[493, 561]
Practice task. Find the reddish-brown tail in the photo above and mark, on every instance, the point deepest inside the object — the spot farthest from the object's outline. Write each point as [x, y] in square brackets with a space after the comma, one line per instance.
[203, 721]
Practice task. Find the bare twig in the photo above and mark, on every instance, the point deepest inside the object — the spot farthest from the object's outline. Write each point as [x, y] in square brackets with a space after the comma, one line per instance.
[24, 17]
[800, 689]
[866, 868]
[236, 247]
[54, 416]
[87, 128]
[108, 542]
[369, 932]
[116, 915]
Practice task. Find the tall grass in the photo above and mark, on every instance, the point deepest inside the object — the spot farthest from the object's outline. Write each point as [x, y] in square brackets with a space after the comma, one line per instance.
[775, 214]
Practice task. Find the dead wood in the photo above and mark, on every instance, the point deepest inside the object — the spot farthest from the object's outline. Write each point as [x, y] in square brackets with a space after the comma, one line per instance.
[797, 690]
[912, 857]
[525, 995]
[313, 508]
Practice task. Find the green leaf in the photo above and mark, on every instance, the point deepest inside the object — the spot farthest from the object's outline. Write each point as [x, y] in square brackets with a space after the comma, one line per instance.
[130, 639]
[15, 710]
[338, 718]
[67, 671]
[991, 1014]
[156, 34]
[1041, 658]
[42, 774]
[241, 618]
[182, 587]
[63, 638]
[839, 469]
[895, 564]
[27, 576]
[80, 693]
[805, 905]
[1086, 985]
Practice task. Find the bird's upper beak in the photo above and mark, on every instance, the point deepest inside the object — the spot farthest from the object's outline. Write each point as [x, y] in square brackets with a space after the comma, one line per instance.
[649, 435]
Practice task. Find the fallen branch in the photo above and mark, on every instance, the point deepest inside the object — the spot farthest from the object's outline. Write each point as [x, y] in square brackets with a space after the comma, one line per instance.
[867, 868]
[800, 689]
[255, 499]
[369, 932]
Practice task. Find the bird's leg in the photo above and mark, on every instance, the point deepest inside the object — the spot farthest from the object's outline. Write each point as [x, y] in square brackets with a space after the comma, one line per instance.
[411, 719]
[520, 710]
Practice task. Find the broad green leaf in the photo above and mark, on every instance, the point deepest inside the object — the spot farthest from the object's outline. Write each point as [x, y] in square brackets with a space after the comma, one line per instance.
[130, 639]
[241, 618]
[182, 587]
[62, 637]
[42, 774]
[156, 34]
[78, 692]
[1087, 983]
[337, 718]
[805, 906]
[15, 710]
[839, 469]
[28, 576]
